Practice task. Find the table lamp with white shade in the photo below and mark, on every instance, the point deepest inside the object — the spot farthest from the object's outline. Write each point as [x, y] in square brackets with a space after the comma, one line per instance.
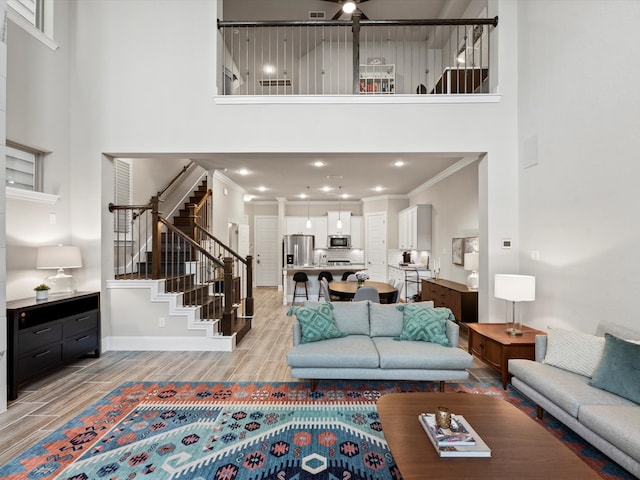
[58, 258]
[472, 263]
[515, 288]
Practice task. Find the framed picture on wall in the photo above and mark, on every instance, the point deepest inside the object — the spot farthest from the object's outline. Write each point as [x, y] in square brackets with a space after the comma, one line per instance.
[471, 245]
[457, 253]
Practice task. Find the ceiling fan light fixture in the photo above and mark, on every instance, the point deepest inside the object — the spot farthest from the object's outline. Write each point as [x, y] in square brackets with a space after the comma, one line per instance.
[349, 7]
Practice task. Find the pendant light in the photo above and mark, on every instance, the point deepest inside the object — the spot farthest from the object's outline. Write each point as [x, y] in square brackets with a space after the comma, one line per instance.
[308, 202]
[339, 222]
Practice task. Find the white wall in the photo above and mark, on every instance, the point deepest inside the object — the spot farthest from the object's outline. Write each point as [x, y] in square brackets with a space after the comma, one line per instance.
[454, 215]
[579, 105]
[3, 249]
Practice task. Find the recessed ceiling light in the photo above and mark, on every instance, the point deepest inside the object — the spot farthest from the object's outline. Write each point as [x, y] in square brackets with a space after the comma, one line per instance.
[262, 188]
[303, 195]
[248, 198]
[378, 188]
[399, 163]
[318, 163]
[243, 171]
[326, 188]
[345, 195]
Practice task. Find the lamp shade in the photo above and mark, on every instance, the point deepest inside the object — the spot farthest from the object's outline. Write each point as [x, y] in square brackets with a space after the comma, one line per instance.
[516, 288]
[471, 261]
[55, 257]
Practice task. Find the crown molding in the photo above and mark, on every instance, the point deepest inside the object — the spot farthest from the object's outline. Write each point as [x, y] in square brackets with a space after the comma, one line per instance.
[459, 165]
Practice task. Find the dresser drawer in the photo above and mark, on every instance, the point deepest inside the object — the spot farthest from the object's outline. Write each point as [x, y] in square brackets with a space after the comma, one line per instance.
[79, 323]
[39, 360]
[79, 344]
[37, 337]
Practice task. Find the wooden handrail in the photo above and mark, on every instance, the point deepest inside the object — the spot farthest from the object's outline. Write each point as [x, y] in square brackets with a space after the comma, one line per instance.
[190, 241]
[227, 249]
[184, 169]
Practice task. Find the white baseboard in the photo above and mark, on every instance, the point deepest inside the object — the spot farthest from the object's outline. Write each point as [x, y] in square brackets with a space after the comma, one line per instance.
[172, 344]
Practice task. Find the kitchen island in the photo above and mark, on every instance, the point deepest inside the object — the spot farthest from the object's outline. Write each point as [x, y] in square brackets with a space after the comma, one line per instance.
[312, 271]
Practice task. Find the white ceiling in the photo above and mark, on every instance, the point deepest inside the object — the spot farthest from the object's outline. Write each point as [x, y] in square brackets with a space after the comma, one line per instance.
[287, 175]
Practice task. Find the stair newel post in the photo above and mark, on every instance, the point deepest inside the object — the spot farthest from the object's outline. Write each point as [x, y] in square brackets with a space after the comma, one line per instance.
[227, 314]
[156, 238]
[248, 303]
[193, 216]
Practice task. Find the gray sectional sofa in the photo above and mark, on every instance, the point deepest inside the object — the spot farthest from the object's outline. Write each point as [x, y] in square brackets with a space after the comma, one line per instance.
[609, 422]
[369, 351]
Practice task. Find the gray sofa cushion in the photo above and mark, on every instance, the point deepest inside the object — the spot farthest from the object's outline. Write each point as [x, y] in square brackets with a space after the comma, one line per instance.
[611, 422]
[420, 355]
[351, 317]
[566, 389]
[387, 320]
[354, 351]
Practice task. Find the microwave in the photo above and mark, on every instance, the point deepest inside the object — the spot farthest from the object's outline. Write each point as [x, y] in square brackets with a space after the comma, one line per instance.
[339, 241]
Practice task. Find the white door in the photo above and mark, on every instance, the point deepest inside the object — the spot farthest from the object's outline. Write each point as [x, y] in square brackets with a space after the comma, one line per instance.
[267, 245]
[376, 225]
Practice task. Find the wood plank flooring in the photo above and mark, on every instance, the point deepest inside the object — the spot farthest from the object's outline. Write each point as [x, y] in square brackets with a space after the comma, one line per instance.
[47, 403]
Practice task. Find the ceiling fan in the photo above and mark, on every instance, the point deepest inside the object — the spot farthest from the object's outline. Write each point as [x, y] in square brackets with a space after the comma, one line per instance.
[348, 7]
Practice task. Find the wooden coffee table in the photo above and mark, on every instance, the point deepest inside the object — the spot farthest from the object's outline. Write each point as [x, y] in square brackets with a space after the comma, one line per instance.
[520, 447]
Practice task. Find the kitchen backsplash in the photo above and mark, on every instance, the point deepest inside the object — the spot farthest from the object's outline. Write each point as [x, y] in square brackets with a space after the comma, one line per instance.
[353, 255]
[394, 257]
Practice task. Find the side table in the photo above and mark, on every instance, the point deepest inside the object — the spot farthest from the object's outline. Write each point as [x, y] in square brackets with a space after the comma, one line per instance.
[494, 346]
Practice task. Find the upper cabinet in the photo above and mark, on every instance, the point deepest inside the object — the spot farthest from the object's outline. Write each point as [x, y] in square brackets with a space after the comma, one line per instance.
[332, 223]
[357, 232]
[414, 228]
[298, 225]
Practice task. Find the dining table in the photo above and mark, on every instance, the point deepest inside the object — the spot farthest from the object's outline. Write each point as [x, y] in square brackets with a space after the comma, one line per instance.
[347, 290]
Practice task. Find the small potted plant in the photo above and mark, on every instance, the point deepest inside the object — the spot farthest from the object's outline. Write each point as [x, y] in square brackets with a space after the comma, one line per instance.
[42, 291]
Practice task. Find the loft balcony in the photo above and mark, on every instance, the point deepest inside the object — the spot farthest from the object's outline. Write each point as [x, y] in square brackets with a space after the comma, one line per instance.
[357, 57]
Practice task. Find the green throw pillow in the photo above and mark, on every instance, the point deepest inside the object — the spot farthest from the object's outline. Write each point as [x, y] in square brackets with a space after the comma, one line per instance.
[619, 368]
[316, 323]
[424, 323]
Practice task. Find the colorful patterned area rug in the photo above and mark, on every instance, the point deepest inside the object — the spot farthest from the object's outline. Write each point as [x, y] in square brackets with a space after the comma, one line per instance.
[242, 431]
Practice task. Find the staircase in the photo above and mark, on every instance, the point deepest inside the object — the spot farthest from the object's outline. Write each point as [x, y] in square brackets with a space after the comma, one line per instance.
[195, 271]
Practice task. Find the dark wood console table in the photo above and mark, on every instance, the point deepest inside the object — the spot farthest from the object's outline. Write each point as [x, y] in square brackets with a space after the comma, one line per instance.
[44, 334]
[462, 301]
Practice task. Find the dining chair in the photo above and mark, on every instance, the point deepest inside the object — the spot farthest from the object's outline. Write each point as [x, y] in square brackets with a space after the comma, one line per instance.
[324, 275]
[352, 278]
[399, 289]
[324, 286]
[367, 293]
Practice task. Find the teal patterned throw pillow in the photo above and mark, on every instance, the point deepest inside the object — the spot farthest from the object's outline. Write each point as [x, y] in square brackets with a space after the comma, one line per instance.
[424, 323]
[316, 323]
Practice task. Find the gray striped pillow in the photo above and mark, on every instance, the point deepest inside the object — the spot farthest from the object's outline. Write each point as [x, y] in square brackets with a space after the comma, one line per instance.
[574, 351]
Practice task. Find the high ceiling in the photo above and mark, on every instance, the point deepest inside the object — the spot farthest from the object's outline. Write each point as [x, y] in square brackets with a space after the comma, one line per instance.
[287, 175]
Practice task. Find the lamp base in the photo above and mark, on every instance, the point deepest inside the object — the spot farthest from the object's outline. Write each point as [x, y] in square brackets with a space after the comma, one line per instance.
[514, 328]
[473, 281]
[60, 283]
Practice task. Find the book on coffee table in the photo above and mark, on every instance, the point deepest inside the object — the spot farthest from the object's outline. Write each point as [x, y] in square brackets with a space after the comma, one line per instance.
[456, 434]
[479, 449]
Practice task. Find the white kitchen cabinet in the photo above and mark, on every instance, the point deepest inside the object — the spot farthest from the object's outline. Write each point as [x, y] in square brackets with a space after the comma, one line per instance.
[414, 228]
[332, 221]
[298, 225]
[357, 232]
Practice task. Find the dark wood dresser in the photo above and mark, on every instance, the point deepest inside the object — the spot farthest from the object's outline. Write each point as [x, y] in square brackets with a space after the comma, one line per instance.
[44, 334]
[455, 296]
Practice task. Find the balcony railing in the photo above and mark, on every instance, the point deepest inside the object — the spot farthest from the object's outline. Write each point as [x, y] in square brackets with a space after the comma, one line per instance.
[357, 57]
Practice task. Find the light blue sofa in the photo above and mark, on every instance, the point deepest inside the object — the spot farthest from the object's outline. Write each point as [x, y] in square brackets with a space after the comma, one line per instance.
[607, 421]
[369, 351]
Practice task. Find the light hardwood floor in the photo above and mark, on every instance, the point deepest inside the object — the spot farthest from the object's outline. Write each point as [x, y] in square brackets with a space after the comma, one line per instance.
[47, 403]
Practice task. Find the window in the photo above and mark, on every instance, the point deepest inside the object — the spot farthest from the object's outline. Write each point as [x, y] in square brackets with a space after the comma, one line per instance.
[34, 16]
[23, 168]
[122, 194]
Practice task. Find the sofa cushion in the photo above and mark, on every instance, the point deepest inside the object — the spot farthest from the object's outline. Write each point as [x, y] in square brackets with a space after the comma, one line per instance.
[425, 324]
[351, 318]
[618, 371]
[386, 319]
[574, 351]
[568, 390]
[316, 323]
[611, 421]
[354, 351]
[420, 355]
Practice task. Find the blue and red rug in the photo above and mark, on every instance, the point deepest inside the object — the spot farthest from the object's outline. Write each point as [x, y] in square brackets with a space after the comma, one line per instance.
[229, 431]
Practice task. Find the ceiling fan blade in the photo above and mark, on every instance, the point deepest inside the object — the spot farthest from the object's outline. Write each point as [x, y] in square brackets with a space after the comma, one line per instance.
[363, 16]
[338, 14]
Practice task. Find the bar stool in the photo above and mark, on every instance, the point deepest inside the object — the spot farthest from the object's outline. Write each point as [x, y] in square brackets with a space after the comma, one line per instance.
[300, 277]
[329, 277]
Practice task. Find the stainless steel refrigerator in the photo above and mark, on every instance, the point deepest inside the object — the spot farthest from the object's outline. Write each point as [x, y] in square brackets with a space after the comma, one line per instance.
[298, 250]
